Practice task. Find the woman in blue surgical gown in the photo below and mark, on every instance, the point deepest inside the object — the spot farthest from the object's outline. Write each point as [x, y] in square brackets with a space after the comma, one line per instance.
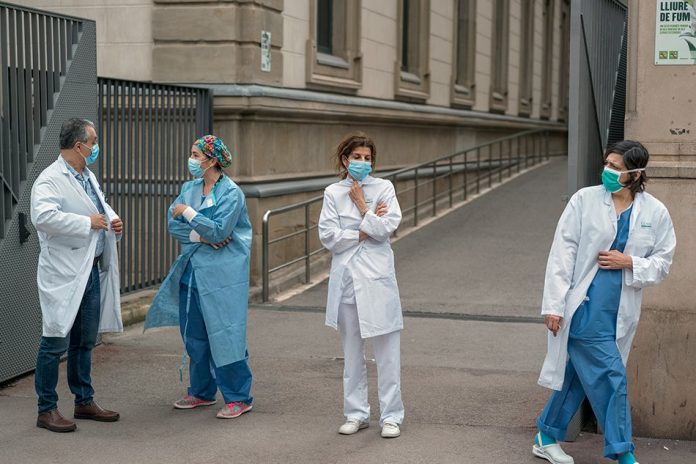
[207, 289]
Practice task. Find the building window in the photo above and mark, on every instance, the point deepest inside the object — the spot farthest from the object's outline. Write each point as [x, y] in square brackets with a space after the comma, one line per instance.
[334, 59]
[325, 26]
[547, 60]
[564, 70]
[526, 58]
[412, 71]
[463, 77]
[499, 56]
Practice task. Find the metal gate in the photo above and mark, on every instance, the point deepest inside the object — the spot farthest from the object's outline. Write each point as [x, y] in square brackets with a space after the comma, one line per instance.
[48, 65]
[146, 131]
[599, 34]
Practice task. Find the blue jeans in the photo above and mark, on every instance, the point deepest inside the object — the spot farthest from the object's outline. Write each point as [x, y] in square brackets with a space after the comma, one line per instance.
[233, 380]
[79, 344]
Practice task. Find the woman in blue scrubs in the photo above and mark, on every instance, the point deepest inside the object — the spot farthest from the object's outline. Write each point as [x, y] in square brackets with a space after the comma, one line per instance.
[206, 292]
[598, 264]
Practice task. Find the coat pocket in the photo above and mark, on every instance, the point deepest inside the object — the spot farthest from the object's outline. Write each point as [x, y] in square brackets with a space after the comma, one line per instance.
[642, 244]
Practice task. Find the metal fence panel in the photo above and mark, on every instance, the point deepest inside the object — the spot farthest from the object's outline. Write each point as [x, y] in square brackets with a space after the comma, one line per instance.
[597, 86]
[146, 132]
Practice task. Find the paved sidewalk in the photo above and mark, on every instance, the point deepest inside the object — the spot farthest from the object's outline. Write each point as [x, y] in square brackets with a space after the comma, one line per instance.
[469, 386]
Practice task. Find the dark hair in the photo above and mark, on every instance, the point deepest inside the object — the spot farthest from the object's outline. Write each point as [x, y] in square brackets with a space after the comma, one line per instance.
[635, 156]
[72, 131]
[350, 143]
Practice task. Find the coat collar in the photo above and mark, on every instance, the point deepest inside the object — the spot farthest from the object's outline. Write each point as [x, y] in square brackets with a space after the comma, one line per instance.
[366, 181]
[638, 201]
[68, 171]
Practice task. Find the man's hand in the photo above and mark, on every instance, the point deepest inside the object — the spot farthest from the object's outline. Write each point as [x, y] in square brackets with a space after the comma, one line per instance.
[381, 209]
[358, 196]
[614, 259]
[117, 226]
[362, 236]
[553, 323]
[178, 210]
[98, 222]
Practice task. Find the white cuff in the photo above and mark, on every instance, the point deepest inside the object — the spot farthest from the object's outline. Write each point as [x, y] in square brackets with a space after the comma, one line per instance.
[189, 213]
[194, 236]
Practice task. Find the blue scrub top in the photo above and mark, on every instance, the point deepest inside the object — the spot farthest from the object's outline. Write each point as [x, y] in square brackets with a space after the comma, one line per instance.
[595, 318]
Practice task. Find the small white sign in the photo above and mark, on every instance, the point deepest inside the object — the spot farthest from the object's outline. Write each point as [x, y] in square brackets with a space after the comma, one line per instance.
[265, 51]
[675, 32]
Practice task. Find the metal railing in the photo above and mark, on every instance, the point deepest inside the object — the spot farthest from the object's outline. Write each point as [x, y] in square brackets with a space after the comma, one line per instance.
[36, 49]
[422, 189]
[146, 131]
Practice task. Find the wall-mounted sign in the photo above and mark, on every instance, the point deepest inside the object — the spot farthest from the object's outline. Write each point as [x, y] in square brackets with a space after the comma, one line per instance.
[265, 51]
[675, 33]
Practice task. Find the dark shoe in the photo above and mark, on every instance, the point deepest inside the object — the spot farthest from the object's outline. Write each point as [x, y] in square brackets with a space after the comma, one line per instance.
[94, 412]
[55, 422]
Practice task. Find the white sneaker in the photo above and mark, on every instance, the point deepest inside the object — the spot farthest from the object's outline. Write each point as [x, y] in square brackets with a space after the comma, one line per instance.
[352, 426]
[552, 453]
[390, 430]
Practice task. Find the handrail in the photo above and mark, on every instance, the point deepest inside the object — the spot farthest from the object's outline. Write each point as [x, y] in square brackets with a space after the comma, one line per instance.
[531, 147]
[36, 52]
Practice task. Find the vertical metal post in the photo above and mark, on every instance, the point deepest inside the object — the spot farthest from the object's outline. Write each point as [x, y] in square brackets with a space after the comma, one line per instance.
[466, 175]
[396, 194]
[56, 55]
[415, 196]
[306, 244]
[478, 170]
[434, 189]
[5, 201]
[36, 73]
[500, 161]
[490, 165]
[450, 180]
[264, 258]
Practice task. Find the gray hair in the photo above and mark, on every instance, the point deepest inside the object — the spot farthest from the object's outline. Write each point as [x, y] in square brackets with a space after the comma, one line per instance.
[74, 130]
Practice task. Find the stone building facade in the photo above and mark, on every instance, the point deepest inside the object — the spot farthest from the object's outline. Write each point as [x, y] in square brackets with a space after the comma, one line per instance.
[423, 77]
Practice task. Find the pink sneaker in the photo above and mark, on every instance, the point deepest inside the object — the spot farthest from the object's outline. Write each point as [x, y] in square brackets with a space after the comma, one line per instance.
[190, 402]
[232, 410]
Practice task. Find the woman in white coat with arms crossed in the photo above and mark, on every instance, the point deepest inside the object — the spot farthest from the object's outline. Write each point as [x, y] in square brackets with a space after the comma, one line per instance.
[358, 216]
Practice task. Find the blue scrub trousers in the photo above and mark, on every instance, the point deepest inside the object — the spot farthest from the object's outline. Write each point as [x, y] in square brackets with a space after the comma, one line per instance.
[233, 380]
[594, 365]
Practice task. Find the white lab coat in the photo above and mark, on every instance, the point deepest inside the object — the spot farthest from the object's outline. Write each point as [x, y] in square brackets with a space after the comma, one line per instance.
[60, 210]
[370, 262]
[586, 227]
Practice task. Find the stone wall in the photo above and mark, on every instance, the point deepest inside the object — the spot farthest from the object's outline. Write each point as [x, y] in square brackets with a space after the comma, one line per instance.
[660, 113]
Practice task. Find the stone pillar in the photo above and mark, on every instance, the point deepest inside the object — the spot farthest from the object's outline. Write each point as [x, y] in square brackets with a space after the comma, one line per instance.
[216, 41]
[660, 112]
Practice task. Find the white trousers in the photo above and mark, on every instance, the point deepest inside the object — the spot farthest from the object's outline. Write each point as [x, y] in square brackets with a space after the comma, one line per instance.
[388, 357]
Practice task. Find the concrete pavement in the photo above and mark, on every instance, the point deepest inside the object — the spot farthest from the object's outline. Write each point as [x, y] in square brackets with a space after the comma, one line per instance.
[469, 386]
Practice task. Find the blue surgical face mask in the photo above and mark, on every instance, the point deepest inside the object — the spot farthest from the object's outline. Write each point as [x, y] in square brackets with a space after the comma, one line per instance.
[195, 168]
[93, 155]
[610, 178]
[359, 170]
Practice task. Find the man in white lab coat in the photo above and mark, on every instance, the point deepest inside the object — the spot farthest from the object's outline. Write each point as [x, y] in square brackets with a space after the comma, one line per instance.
[77, 274]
